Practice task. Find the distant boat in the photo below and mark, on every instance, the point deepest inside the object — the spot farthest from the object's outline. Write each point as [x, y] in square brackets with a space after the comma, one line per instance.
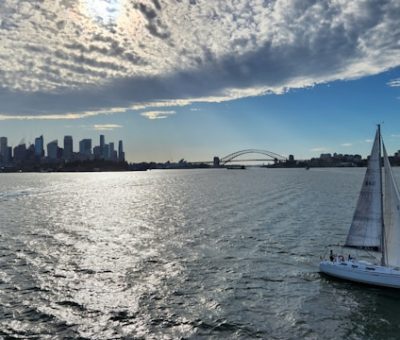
[375, 227]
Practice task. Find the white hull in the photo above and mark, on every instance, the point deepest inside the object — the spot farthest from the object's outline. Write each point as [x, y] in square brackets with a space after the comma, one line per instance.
[362, 272]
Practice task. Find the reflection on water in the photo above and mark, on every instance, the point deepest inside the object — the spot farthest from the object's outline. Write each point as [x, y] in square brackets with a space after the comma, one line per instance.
[172, 254]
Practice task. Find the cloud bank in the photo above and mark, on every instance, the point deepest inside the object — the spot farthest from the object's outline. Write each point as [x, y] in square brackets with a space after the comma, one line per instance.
[74, 58]
[106, 127]
[157, 114]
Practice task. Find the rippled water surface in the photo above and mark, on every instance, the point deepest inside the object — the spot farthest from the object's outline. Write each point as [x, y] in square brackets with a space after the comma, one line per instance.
[182, 254]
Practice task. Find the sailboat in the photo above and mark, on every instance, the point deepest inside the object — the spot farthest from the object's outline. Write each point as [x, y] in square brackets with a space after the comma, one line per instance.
[375, 227]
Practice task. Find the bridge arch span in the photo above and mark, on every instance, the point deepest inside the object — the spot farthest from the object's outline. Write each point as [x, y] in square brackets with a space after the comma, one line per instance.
[233, 155]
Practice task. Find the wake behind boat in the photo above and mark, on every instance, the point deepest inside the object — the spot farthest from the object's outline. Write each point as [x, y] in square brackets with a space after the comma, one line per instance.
[375, 227]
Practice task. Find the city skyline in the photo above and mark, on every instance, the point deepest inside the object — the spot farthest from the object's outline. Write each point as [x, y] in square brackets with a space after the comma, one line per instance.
[173, 88]
[51, 151]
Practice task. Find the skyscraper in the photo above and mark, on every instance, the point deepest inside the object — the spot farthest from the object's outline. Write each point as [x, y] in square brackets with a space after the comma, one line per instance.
[68, 148]
[106, 152]
[52, 150]
[113, 155]
[96, 152]
[85, 148]
[3, 149]
[39, 150]
[121, 153]
[20, 153]
[102, 142]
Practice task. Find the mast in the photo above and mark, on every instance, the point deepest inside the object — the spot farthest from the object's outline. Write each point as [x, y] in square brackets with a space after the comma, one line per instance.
[383, 258]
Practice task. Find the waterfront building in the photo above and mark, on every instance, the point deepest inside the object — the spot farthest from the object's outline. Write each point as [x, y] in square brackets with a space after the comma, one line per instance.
[52, 150]
[110, 151]
[106, 152]
[85, 148]
[216, 161]
[121, 153]
[3, 150]
[20, 153]
[30, 153]
[9, 154]
[102, 143]
[326, 156]
[96, 152]
[68, 148]
[39, 147]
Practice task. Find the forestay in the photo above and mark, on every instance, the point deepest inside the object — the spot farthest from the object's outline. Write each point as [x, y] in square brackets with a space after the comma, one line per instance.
[366, 227]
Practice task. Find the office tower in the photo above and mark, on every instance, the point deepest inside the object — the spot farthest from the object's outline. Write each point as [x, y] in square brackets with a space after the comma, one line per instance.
[96, 152]
[52, 150]
[30, 153]
[39, 147]
[3, 149]
[68, 148]
[113, 155]
[9, 154]
[106, 152]
[20, 153]
[85, 148]
[121, 153]
[102, 142]
[110, 150]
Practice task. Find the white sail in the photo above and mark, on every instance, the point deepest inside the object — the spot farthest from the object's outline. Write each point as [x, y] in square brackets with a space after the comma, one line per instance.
[366, 227]
[392, 216]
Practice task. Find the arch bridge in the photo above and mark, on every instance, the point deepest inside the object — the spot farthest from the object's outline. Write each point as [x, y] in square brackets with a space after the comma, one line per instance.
[271, 156]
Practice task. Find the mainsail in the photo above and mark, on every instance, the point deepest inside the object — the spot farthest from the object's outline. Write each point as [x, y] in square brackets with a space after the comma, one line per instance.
[392, 216]
[366, 228]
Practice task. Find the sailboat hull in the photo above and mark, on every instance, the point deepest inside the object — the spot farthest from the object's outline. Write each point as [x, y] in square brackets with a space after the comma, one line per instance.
[362, 272]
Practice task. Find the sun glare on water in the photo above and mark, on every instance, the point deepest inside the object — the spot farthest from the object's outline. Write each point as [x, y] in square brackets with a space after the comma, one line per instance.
[103, 11]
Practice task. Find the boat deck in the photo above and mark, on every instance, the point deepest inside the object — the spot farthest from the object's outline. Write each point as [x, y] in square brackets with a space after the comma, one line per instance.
[361, 271]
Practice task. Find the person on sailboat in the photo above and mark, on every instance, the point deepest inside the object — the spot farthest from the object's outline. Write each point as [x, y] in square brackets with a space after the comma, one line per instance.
[331, 256]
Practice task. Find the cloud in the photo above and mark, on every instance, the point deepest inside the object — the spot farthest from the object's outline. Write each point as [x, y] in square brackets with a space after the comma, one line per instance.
[346, 144]
[83, 57]
[395, 135]
[106, 127]
[368, 141]
[319, 149]
[394, 83]
[157, 114]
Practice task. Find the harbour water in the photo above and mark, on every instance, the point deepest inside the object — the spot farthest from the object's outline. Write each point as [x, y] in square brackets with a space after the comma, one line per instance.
[183, 254]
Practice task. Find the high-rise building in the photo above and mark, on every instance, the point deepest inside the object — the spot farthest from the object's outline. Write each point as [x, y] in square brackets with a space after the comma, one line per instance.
[20, 153]
[52, 150]
[85, 148]
[9, 154]
[39, 147]
[113, 155]
[102, 143]
[121, 153]
[3, 149]
[96, 152]
[106, 152]
[30, 153]
[68, 148]
[110, 150]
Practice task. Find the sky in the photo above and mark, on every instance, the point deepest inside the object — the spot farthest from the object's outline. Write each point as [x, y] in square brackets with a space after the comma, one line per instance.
[195, 79]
